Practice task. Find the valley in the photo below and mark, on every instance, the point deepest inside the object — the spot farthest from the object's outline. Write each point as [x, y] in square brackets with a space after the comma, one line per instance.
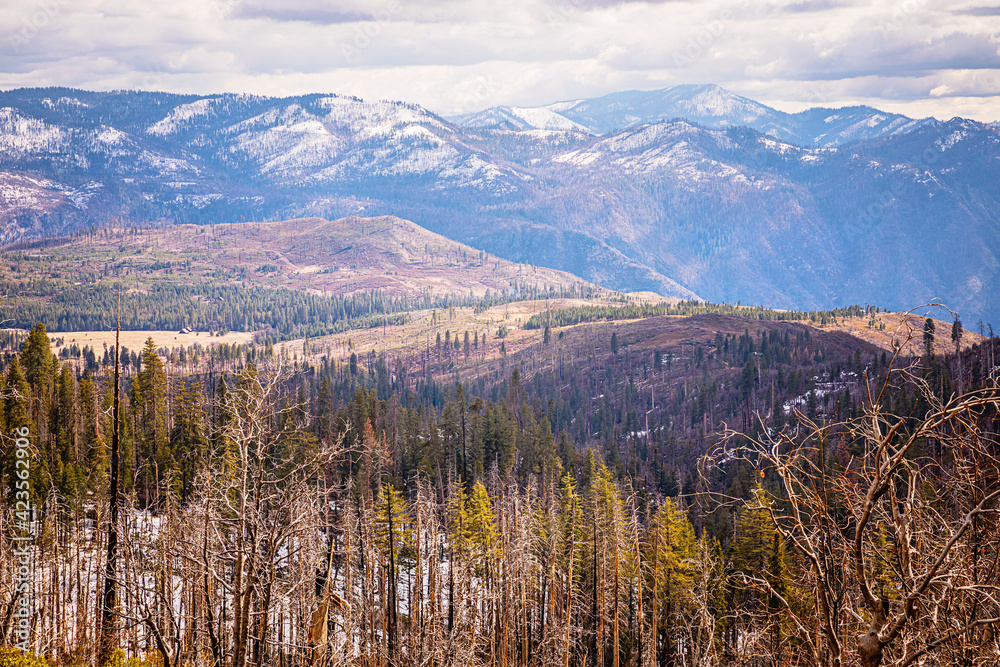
[696, 193]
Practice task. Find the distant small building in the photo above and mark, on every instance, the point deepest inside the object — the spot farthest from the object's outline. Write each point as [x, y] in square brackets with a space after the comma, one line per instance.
[184, 330]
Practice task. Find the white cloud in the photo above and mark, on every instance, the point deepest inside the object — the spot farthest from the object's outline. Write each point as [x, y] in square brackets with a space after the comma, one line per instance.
[918, 55]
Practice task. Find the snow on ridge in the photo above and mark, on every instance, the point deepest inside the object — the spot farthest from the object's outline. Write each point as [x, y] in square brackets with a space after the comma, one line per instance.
[180, 116]
[658, 139]
[717, 101]
[374, 119]
[559, 107]
[525, 119]
[294, 143]
[780, 147]
[578, 157]
[19, 191]
[541, 118]
[269, 117]
[167, 165]
[307, 126]
[285, 149]
[201, 201]
[472, 171]
[109, 136]
[644, 135]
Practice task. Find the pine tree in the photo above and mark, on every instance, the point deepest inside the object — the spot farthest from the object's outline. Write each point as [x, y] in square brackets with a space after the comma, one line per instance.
[68, 474]
[36, 357]
[751, 546]
[188, 438]
[482, 530]
[777, 579]
[929, 338]
[16, 398]
[149, 397]
[569, 513]
[673, 549]
[324, 410]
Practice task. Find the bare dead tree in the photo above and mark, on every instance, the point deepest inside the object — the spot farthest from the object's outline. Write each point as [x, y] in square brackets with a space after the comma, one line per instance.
[899, 549]
[110, 598]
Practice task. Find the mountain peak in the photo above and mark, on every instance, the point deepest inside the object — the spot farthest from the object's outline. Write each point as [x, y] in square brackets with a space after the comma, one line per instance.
[706, 104]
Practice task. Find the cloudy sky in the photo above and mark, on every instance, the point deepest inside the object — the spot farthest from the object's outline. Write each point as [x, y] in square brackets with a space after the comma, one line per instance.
[918, 57]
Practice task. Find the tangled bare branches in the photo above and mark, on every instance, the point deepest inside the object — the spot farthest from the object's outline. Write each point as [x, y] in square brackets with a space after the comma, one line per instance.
[893, 523]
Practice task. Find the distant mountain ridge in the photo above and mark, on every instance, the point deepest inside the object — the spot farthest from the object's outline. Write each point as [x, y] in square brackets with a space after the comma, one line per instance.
[676, 207]
[708, 105]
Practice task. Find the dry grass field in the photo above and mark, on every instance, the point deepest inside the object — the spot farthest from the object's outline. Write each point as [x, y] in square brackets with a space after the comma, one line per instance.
[905, 330]
[419, 335]
[136, 340]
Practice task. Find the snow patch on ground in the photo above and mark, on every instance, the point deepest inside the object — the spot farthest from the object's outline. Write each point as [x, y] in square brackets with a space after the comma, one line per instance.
[82, 195]
[949, 141]
[22, 134]
[201, 201]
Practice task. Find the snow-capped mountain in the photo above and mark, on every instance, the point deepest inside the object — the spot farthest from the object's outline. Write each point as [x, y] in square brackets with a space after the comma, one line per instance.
[707, 105]
[709, 206]
[521, 118]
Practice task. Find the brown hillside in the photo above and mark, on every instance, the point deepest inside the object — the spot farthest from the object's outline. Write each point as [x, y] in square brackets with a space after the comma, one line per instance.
[343, 256]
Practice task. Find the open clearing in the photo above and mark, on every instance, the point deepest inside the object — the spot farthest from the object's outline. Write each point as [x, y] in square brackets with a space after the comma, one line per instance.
[136, 340]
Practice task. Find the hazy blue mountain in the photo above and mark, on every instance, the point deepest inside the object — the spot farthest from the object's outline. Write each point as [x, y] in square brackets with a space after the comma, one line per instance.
[832, 127]
[707, 105]
[675, 206]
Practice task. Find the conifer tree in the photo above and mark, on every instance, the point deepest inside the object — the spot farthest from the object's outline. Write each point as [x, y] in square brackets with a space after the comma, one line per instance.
[482, 530]
[673, 547]
[929, 338]
[188, 438]
[149, 396]
[36, 357]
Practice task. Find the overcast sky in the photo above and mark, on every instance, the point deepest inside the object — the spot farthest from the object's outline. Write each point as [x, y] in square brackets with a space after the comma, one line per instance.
[918, 57]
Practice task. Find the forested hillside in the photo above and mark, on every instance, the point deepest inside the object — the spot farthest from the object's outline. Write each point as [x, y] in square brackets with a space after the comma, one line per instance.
[580, 501]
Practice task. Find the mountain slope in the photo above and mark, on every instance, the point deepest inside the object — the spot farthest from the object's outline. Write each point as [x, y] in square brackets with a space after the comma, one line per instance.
[346, 257]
